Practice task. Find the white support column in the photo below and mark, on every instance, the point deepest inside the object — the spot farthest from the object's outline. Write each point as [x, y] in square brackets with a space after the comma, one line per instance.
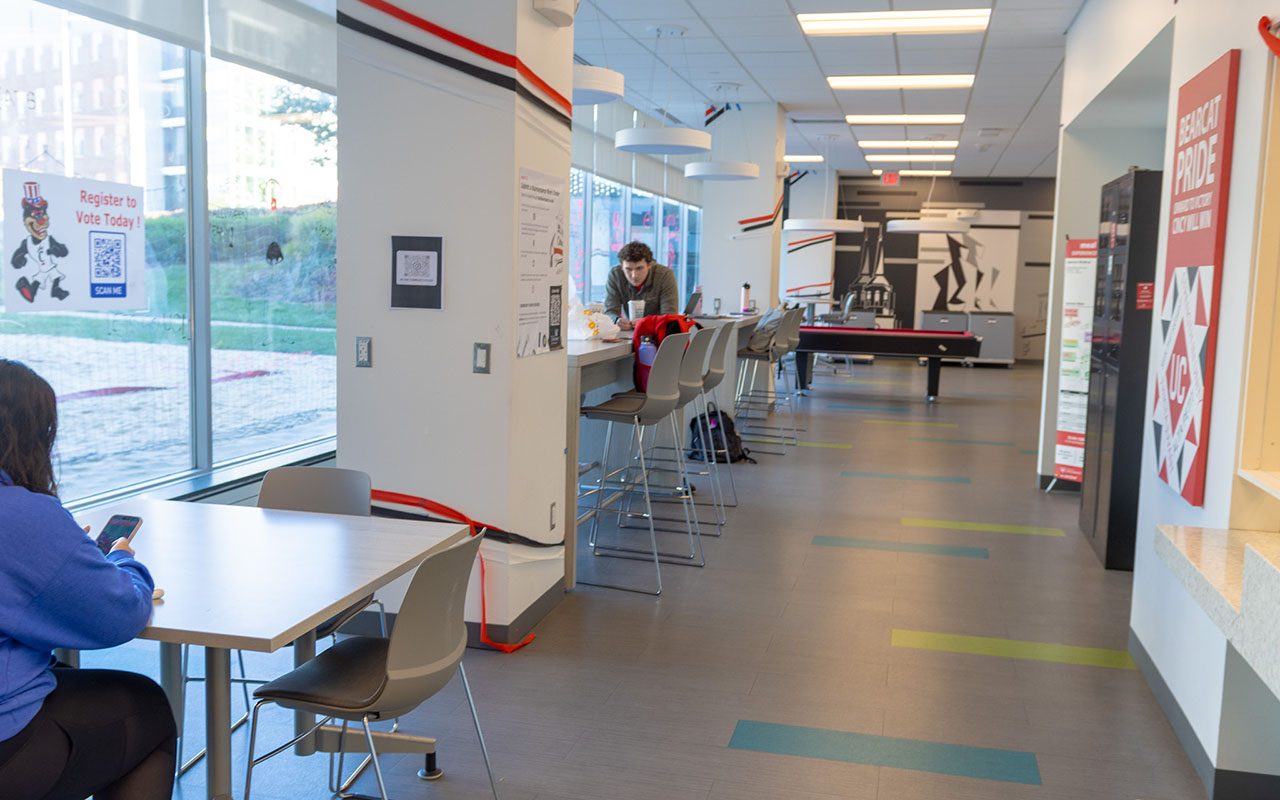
[730, 254]
[428, 149]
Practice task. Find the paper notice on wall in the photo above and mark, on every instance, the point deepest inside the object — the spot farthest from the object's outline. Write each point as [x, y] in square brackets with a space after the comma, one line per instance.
[539, 290]
[72, 244]
[1078, 285]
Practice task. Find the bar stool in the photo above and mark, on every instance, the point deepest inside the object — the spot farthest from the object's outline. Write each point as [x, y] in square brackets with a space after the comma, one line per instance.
[711, 379]
[750, 398]
[640, 411]
[692, 369]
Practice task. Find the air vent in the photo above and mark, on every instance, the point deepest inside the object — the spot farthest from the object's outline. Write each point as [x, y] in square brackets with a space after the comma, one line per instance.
[988, 133]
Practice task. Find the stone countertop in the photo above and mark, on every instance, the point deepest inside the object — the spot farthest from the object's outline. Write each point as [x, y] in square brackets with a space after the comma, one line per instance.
[1234, 575]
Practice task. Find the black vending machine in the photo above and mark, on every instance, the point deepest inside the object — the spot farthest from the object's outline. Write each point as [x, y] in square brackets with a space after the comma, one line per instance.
[1122, 307]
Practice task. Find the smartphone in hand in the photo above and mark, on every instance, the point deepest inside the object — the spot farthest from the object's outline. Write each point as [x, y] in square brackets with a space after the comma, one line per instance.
[120, 526]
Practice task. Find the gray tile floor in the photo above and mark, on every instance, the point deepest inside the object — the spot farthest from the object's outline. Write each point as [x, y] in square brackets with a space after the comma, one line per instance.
[627, 696]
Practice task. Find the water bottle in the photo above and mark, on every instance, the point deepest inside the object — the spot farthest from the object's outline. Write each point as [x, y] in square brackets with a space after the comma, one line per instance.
[746, 297]
[647, 351]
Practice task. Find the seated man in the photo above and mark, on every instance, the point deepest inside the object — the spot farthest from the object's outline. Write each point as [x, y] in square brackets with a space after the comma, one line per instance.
[639, 278]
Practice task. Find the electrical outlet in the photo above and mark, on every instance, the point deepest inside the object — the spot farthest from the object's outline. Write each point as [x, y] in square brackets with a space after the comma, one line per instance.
[364, 351]
[480, 358]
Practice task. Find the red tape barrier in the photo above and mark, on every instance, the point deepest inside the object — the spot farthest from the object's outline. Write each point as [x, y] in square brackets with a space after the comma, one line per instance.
[441, 510]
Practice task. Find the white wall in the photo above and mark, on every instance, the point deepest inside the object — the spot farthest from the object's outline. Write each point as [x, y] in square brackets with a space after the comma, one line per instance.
[594, 128]
[727, 262]
[1188, 649]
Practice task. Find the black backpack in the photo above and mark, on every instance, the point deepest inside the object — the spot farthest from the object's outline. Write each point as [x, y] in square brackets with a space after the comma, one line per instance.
[725, 441]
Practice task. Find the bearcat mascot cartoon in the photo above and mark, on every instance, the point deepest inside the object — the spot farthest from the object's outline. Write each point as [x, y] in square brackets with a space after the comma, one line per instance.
[38, 248]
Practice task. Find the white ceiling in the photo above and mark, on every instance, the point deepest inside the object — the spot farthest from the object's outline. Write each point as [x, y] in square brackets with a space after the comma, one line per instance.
[1012, 124]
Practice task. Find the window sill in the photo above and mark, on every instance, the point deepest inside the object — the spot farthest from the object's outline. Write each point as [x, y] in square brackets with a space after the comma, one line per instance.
[196, 486]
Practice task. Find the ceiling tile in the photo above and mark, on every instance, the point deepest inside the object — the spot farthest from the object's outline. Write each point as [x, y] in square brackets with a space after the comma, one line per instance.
[794, 42]
[754, 26]
[650, 9]
[737, 8]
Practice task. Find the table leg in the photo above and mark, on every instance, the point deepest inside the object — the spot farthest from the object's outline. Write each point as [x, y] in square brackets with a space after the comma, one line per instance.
[802, 370]
[171, 680]
[935, 372]
[304, 649]
[217, 722]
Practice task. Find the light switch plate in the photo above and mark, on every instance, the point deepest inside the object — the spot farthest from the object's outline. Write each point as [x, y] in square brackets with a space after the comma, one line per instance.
[480, 358]
[364, 351]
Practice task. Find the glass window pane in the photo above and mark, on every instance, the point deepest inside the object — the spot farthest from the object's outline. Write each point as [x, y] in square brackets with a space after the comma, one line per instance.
[644, 223]
[121, 377]
[577, 230]
[607, 232]
[668, 249]
[273, 260]
[693, 250]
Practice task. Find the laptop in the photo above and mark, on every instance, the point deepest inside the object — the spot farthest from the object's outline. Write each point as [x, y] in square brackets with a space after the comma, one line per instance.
[692, 304]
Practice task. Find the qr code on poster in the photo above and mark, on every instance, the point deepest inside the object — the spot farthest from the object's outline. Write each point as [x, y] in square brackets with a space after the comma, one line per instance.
[417, 268]
[555, 308]
[106, 257]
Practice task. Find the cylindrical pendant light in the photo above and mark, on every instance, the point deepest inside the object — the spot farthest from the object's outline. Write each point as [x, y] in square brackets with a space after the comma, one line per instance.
[824, 225]
[721, 170]
[594, 86]
[663, 141]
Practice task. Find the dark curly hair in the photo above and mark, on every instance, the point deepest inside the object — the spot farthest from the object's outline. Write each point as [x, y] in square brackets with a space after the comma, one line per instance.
[635, 251]
[28, 425]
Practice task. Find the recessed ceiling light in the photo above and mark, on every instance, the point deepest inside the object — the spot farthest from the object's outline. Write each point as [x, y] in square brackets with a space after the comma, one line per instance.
[925, 173]
[882, 144]
[956, 20]
[900, 81]
[905, 119]
[877, 172]
[802, 159]
[939, 157]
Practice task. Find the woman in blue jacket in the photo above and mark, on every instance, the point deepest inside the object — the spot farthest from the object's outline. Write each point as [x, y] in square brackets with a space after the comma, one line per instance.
[67, 733]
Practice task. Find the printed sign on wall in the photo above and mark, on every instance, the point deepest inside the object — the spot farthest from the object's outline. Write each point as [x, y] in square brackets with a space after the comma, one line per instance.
[1073, 370]
[1193, 276]
[72, 244]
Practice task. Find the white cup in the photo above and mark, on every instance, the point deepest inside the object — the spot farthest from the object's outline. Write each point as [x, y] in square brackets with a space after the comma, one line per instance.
[635, 309]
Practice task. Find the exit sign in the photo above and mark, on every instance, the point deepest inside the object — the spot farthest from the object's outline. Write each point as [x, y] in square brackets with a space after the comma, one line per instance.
[888, 179]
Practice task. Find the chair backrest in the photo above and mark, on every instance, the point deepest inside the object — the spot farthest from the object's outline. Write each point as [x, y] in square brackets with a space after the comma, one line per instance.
[663, 390]
[847, 306]
[715, 361]
[788, 335]
[430, 633]
[694, 364]
[328, 490]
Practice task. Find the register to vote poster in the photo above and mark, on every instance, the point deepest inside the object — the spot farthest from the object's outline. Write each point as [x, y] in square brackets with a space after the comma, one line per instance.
[541, 281]
[72, 244]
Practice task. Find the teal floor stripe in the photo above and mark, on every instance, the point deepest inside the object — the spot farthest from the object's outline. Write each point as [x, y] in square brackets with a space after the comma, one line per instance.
[958, 441]
[872, 408]
[1010, 766]
[902, 547]
[933, 478]
[1029, 452]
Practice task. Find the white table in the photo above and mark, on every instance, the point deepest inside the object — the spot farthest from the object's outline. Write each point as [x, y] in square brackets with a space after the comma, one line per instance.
[811, 302]
[238, 577]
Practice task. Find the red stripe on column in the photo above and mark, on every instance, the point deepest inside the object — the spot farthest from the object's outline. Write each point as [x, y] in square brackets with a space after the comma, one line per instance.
[776, 208]
[480, 49]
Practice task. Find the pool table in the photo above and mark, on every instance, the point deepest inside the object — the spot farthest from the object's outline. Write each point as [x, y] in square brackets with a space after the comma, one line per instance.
[931, 345]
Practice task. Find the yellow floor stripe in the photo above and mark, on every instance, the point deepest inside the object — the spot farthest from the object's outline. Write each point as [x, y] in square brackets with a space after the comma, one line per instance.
[990, 527]
[1013, 648]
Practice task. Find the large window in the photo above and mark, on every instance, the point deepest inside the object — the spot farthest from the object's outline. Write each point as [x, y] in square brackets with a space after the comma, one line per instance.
[273, 188]
[81, 98]
[604, 215]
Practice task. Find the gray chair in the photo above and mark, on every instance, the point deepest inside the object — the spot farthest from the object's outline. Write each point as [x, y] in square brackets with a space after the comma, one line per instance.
[751, 399]
[712, 379]
[326, 490]
[640, 411]
[836, 317]
[366, 679]
[692, 367]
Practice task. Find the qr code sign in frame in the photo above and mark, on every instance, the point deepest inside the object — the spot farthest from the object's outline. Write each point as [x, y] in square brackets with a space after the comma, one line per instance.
[108, 267]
